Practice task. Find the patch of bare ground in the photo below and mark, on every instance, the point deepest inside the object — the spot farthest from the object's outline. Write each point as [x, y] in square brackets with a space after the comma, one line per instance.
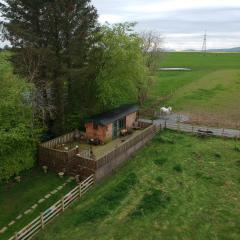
[213, 120]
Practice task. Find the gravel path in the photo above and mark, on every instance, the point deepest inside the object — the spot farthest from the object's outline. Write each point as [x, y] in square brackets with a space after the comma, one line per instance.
[176, 122]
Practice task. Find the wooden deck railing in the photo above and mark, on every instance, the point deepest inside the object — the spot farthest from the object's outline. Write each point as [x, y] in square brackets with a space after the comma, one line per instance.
[60, 140]
[47, 216]
[147, 133]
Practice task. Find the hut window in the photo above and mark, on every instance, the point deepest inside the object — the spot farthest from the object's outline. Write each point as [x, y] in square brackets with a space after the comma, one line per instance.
[95, 126]
[122, 123]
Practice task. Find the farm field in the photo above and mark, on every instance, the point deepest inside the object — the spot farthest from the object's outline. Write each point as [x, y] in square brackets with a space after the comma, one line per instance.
[16, 198]
[209, 93]
[177, 187]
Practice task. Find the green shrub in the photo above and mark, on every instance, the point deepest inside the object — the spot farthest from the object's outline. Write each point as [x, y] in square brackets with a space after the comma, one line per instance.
[159, 179]
[160, 161]
[178, 168]
[237, 148]
[199, 175]
[217, 155]
[238, 163]
[150, 202]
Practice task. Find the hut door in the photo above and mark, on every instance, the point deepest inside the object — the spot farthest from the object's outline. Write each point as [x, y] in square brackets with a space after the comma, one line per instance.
[115, 129]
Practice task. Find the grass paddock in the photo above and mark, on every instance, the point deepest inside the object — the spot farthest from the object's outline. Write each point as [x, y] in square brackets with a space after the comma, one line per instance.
[16, 198]
[177, 187]
[209, 93]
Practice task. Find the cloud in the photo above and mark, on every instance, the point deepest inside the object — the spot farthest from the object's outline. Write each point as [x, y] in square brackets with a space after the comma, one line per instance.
[194, 41]
[176, 5]
[110, 18]
[182, 22]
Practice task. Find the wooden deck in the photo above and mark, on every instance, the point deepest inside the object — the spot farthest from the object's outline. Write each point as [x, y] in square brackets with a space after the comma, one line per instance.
[88, 159]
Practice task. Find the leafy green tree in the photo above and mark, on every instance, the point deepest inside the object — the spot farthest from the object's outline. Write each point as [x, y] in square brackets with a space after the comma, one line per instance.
[52, 40]
[122, 68]
[17, 136]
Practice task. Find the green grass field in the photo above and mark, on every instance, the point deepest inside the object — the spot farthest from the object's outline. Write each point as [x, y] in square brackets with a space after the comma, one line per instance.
[177, 187]
[209, 93]
[15, 198]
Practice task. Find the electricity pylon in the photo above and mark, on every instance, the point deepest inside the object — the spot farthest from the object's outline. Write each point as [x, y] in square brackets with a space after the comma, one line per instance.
[204, 46]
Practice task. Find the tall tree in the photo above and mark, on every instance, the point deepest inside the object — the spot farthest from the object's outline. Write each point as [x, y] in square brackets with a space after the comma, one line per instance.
[17, 137]
[122, 67]
[152, 51]
[52, 40]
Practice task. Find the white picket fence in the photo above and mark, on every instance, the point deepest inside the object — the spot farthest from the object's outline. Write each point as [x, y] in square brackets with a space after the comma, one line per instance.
[47, 216]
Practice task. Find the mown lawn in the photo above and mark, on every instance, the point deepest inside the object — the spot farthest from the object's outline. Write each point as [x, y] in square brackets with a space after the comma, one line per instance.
[177, 187]
[209, 93]
[16, 198]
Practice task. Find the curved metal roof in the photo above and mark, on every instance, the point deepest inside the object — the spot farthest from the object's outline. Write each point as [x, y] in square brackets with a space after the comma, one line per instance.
[114, 115]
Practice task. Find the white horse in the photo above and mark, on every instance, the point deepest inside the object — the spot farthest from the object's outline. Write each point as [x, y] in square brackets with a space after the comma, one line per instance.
[166, 111]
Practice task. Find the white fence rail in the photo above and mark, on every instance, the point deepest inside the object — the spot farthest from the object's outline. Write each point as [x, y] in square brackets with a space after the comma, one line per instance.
[229, 133]
[41, 221]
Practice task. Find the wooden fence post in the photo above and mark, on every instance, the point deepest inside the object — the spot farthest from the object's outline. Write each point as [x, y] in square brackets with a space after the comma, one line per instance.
[165, 124]
[80, 190]
[16, 236]
[42, 221]
[63, 204]
[192, 128]
[223, 132]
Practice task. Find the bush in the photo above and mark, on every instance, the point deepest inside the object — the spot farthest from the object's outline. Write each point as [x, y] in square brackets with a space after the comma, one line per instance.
[160, 161]
[237, 148]
[217, 155]
[199, 175]
[151, 202]
[178, 168]
[159, 179]
[238, 163]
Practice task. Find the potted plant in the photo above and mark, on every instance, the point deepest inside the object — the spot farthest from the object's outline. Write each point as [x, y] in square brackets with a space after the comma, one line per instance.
[61, 174]
[45, 168]
[18, 179]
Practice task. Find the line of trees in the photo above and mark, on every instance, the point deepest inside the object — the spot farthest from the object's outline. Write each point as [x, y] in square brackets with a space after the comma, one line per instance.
[74, 66]
[18, 137]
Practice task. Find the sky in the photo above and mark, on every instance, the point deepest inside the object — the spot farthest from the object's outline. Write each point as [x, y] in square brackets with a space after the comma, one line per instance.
[181, 23]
